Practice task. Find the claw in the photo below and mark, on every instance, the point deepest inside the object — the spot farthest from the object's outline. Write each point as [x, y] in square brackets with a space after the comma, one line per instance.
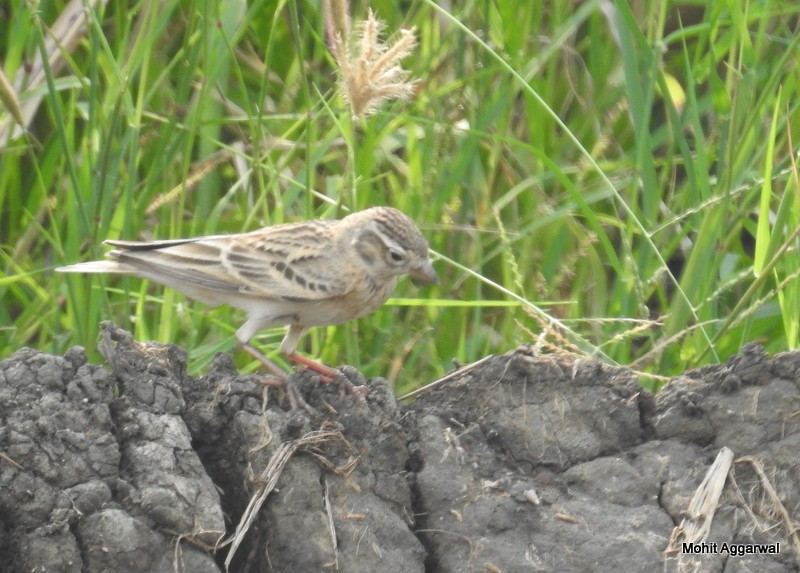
[296, 399]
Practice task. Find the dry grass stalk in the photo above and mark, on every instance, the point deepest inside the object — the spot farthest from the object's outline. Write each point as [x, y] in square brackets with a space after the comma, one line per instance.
[331, 527]
[774, 504]
[446, 378]
[695, 527]
[268, 479]
[61, 40]
[373, 75]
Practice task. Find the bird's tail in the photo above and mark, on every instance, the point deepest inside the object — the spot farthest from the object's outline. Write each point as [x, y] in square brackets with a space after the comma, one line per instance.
[99, 267]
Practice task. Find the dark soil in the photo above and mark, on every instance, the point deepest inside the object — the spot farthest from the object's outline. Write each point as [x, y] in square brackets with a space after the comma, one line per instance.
[525, 463]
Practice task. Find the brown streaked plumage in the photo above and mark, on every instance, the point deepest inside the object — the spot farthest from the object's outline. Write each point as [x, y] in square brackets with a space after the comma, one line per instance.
[312, 273]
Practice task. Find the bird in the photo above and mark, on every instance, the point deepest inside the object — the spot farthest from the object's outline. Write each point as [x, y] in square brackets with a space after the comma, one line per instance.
[302, 275]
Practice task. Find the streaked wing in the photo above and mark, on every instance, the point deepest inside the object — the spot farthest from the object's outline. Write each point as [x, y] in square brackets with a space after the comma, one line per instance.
[294, 262]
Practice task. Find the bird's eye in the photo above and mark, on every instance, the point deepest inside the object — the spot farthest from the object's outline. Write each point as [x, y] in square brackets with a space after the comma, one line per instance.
[396, 256]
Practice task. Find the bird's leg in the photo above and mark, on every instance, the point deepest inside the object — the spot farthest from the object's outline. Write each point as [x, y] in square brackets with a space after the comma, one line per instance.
[329, 375]
[282, 379]
[288, 346]
[276, 370]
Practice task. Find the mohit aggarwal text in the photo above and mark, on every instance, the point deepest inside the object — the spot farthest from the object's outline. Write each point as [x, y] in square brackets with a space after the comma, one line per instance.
[735, 549]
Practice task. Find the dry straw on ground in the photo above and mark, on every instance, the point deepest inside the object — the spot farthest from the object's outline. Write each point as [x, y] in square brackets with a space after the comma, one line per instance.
[266, 482]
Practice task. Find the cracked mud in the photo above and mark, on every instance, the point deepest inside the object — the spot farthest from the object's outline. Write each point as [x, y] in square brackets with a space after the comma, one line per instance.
[526, 463]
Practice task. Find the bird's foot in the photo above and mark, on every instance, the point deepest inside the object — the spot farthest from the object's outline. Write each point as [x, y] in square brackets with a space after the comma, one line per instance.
[296, 400]
[279, 378]
[330, 376]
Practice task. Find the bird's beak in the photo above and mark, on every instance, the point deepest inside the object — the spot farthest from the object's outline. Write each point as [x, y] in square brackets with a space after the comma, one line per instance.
[424, 274]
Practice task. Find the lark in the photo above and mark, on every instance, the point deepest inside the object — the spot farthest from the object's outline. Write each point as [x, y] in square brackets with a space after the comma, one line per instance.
[305, 274]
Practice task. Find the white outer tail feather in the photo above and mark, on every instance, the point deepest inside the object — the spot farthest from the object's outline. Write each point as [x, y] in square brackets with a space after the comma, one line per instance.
[99, 267]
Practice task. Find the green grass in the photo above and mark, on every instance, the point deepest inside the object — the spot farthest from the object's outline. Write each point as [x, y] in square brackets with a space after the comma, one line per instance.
[621, 185]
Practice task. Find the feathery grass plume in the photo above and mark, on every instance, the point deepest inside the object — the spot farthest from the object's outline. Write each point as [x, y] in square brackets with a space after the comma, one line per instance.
[337, 22]
[373, 75]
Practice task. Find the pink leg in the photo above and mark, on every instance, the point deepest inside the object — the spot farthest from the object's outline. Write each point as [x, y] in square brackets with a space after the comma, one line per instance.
[329, 375]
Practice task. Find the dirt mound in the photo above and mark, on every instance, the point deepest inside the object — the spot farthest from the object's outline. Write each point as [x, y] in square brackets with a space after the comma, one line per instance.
[523, 463]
